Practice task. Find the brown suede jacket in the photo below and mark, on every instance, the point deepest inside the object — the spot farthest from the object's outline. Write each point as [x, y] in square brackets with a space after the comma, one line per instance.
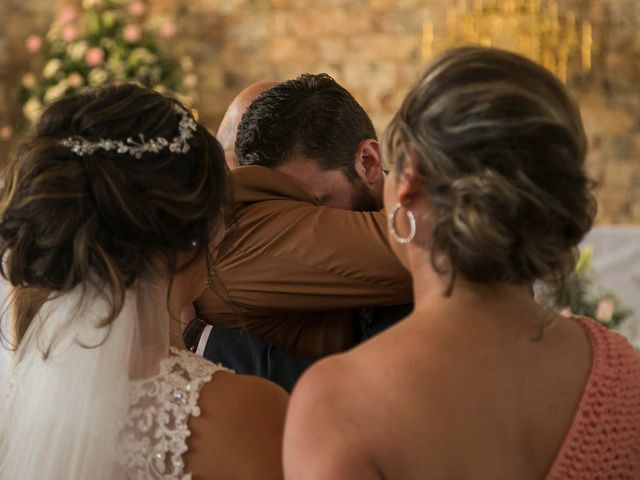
[290, 270]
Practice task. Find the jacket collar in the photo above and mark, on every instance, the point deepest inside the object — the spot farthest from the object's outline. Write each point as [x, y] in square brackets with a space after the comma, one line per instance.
[254, 183]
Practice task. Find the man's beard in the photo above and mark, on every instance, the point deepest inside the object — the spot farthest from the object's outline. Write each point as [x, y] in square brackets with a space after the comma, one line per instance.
[362, 199]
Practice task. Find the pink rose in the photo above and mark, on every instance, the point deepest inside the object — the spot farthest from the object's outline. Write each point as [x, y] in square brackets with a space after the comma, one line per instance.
[69, 33]
[33, 43]
[75, 79]
[191, 80]
[168, 30]
[566, 312]
[6, 133]
[605, 310]
[94, 56]
[132, 33]
[136, 8]
[68, 14]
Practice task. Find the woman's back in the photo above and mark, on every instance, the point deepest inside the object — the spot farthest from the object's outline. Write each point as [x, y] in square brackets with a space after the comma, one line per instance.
[502, 409]
[239, 430]
[198, 418]
[463, 400]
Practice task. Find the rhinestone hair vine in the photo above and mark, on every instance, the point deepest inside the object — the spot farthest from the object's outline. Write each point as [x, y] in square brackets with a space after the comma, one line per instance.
[178, 144]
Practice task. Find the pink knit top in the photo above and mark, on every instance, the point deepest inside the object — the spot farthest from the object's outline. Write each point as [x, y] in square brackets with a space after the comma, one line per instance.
[603, 441]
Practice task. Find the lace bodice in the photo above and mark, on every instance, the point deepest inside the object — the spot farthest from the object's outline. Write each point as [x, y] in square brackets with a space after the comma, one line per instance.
[155, 435]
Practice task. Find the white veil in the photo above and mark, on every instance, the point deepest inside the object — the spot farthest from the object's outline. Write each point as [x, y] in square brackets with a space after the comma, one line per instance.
[61, 415]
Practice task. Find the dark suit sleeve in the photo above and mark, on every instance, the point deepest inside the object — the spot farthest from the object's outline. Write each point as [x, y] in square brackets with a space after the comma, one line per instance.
[251, 355]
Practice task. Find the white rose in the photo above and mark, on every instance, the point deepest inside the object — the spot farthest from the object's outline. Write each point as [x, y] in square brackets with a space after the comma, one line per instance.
[77, 50]
[32, 109]
[97, 77]
[143, 72]
[142, 55]
[605, 310]
[108, 43]
[56, 91]
[51, 68]
[117, 67]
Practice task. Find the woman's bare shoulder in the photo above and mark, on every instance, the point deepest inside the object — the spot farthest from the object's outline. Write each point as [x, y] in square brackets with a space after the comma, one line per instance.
[239, 431]
[330, 424]
[349, 414]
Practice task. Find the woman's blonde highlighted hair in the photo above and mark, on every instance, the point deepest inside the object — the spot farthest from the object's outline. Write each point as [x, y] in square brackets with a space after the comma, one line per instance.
[501, 152]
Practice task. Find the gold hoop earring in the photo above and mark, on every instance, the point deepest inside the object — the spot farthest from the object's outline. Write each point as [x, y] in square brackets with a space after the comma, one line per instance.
[392, 225]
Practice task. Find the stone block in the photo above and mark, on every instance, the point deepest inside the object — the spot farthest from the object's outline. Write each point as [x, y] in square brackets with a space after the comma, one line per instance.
[278, 24]
[306, 4]
[394, 4]
[382, 47]
[621, 147]
[4, 55]
[332, 49]
[280, 3]
[292, 50]
[358, 73]
[619, 68]
[618, 175]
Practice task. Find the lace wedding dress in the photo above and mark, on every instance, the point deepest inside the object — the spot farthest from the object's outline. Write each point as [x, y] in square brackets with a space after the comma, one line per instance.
[155, 436]
[85, 400]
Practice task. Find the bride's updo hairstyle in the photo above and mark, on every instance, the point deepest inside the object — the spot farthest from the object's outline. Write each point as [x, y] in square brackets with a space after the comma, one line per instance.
[70, 215]
[500, 150]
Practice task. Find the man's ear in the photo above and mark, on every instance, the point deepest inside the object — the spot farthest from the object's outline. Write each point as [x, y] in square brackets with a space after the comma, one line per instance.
[368, 162]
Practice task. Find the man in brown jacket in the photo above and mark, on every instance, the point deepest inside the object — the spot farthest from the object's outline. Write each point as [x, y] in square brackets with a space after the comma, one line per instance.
[309, 242]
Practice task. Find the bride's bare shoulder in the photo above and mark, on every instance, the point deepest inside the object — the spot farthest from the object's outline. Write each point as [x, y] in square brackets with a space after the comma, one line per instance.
[239, 431]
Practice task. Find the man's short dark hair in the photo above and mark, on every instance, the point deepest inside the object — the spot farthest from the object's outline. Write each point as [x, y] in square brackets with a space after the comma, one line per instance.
[312, 116]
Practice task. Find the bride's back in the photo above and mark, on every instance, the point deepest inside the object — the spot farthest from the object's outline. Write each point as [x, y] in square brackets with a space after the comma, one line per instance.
[106, 221]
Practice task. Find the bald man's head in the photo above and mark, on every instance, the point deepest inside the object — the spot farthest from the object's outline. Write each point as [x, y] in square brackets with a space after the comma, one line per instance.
[229, 125]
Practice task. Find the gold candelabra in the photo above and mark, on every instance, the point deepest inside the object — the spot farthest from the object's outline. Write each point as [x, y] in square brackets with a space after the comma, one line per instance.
[533, 28]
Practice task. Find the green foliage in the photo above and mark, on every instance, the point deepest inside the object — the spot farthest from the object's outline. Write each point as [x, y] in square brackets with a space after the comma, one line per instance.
[578, 296]
[107, 41]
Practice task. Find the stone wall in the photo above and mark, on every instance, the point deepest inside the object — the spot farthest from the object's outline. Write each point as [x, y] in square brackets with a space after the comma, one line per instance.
[372, 47]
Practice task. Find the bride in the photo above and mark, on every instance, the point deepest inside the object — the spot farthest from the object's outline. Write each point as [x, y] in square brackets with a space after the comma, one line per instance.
[105, 222]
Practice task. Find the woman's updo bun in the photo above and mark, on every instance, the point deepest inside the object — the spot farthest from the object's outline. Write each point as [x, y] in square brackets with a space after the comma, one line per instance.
[501, 152]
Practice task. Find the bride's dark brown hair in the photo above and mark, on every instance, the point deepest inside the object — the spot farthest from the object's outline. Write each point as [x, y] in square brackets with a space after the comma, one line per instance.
[105, 217]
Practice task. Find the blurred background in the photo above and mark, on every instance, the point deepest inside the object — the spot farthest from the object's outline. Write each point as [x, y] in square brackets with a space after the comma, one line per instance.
[206, 51]
[375, 48]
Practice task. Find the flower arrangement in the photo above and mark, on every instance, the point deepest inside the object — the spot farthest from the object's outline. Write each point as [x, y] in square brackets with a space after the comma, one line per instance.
[103, 42]
[577, 296]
